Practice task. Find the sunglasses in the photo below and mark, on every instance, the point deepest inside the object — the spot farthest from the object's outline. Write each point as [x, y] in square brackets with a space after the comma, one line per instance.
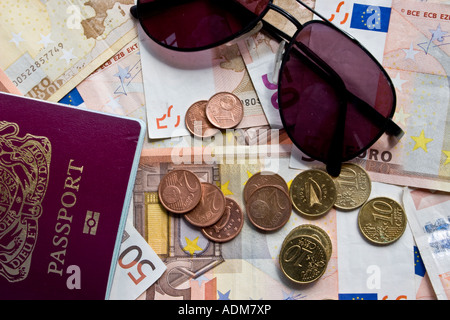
[335, 100]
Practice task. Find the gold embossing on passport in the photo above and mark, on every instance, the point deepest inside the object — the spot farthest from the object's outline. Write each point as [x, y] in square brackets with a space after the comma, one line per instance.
[24, 176]
[91, 223]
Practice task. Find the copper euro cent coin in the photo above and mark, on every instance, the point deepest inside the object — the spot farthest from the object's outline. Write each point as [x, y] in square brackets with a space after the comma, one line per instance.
[196, 121]
[210, 208]
[180, 191]
[224, 110]
[269, 208]
[263, 178]
[229, 225]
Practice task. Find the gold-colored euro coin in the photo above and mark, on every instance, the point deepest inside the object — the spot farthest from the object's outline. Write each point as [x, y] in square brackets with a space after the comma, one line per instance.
[303, 259]
[382, 220]
[315, 232]
[313, 193]
[353, 187]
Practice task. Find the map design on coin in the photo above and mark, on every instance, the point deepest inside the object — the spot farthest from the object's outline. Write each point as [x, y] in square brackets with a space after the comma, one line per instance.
[179, 191]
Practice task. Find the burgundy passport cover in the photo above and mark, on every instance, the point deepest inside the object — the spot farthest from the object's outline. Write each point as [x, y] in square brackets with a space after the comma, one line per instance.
[66, 177]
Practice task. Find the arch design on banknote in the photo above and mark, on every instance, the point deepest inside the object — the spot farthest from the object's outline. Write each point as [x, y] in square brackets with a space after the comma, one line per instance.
[24, 176]
[150, 217]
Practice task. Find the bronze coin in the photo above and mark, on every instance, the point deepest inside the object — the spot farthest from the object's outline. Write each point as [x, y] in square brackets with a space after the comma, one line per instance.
[264, 178]
[229, 225]
[303, 259]
[313, 193]
[180, 191]
[224, 110]
[196, 121]
[210, 208]
[269, 208]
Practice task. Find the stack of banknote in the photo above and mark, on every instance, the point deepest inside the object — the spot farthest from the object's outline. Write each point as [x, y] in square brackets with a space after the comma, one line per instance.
[94, 55]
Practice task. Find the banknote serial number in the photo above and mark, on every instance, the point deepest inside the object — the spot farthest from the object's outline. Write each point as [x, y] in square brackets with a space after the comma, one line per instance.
[37, 64]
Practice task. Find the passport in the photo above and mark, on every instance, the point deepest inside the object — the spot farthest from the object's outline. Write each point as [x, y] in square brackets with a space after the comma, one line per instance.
[66, 181]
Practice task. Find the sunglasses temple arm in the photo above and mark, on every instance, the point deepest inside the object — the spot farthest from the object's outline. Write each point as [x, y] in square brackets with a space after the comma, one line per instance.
[334, 161]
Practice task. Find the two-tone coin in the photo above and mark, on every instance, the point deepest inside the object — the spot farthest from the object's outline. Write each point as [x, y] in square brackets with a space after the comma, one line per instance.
[263, 178]
[229, 225]
[313, 193]
[315, 232]
[180, 191]
[269, 208]
[224, 110]
[196, 121]
[303, 259]
[353, 187]
[210, 208]
[382, 220]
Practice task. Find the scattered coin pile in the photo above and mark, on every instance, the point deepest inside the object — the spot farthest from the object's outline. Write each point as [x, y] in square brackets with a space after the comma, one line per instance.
[205, 118]
[305, 253]
[202, 204]
[306, 250]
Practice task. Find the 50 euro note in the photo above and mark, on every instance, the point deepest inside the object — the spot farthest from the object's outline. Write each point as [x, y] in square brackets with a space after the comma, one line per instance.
[49, 47]
[138, 266]
[429, 220]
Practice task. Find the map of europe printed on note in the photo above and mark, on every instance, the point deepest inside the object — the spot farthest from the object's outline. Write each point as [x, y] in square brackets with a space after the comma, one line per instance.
[48, 47]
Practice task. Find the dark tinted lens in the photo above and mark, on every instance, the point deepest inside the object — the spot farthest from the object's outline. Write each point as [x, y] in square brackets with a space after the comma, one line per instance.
[198, 24]
[311, 103]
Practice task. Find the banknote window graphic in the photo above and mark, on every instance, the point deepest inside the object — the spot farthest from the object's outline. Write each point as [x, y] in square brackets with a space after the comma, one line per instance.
[24, 175]
[161, 123]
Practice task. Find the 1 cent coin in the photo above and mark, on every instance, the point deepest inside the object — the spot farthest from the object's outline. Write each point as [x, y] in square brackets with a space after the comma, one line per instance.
[180, 191]
[210, 208]
[224, 110]
[382, 220]
[229, 225]
[269, 208]
[313, 192]
[196, 121]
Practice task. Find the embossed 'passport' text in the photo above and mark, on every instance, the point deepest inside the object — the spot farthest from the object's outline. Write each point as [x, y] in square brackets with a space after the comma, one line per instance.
[64, 218]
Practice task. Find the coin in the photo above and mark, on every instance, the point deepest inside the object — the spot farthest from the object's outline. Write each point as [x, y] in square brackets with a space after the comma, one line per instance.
[263, 178]
[196, 121]
[313, 192]
[353, 187]
[303, 259]
[269, 208]
[179, 191]
[315, 232]
[382, 220]
[210, 208]
[224, 110]
[229, 225]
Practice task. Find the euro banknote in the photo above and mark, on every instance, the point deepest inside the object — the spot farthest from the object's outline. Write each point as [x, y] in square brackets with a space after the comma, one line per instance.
[247, 267]
[48, 47]
[428, 216]
[410, 40]
[173, 81]
[138, 266]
